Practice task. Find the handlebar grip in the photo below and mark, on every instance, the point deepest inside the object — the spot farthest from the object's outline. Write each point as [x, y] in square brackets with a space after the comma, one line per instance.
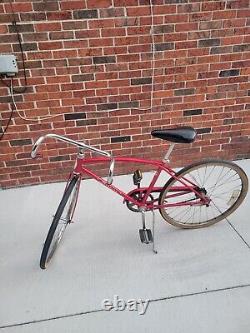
[36, 146]
[111, 171]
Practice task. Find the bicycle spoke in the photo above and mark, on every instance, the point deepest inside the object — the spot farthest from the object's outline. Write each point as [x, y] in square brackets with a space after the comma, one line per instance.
[204, 176]
[183, 211]
[218, 178]
[224, 181]
[221, 182]
[190, 216]
[217, 208]
[207, 214]
[218, 195]
[209, 174]
[194, 212]
[194, 179]
[199, 177]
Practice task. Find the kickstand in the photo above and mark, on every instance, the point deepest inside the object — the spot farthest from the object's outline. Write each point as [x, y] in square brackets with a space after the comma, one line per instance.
[146, 235]
[153, 229]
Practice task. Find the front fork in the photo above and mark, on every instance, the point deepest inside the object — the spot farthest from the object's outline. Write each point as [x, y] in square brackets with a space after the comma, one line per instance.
[73, 203]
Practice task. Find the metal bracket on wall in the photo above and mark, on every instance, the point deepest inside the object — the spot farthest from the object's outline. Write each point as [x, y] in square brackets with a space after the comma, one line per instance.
[8, 65]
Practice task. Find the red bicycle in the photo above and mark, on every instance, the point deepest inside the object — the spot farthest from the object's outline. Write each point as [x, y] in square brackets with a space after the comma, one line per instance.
[197, 196]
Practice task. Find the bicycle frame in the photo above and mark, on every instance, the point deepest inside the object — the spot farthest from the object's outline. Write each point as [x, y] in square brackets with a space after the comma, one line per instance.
[185, 187]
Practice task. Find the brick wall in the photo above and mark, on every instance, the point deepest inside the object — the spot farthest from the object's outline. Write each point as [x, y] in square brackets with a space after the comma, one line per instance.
[90, 63]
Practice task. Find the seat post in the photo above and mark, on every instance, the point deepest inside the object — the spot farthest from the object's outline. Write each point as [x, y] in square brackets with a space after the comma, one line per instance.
[170, 149]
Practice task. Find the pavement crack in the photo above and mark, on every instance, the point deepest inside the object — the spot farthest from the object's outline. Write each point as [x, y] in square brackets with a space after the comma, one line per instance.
[237, 232]
[160, 299]
[51, 318]
[200, 292]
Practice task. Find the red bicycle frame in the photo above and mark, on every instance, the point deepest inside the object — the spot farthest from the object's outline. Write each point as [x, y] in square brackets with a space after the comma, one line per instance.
[185, 187]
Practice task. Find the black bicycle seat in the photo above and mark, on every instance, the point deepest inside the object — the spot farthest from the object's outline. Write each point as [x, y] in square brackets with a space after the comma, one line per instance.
[184, 134]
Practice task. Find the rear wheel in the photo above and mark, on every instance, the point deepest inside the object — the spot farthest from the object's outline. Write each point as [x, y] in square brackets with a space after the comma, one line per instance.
[224, 183]
[62, 218]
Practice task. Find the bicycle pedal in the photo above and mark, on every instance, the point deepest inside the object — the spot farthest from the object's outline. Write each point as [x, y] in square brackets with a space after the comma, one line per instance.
[146, 236]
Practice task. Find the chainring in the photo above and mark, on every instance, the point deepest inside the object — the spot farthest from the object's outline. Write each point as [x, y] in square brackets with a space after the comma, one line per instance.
[137, 196]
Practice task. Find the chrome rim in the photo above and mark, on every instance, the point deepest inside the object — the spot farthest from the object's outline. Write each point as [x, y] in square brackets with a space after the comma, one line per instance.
[221, 184]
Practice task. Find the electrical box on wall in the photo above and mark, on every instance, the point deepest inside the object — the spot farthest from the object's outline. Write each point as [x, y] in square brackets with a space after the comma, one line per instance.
[8, 65]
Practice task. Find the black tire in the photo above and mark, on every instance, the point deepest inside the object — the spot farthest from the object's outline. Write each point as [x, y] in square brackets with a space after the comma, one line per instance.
[56, 230]
[226, 186]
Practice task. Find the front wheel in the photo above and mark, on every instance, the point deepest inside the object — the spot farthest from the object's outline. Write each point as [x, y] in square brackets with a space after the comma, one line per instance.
[62, 218]
[223, 183]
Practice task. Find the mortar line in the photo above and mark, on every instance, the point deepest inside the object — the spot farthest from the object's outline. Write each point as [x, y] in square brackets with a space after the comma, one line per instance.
[77, 314]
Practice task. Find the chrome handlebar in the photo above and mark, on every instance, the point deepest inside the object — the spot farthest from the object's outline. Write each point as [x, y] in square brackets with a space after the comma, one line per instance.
[80, 145]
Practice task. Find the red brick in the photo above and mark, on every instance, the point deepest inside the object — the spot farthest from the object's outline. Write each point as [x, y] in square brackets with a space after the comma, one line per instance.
[234, 23]
[64, 54]
[39, 55]
[220, 66]
[50, 45]
[72, 4]
[186, 26]
[187, 8]
[112, 12]
[238, 4]
[210, 25]
[232, 40]
[98, 4]
[139, 11]
[3, 29]
[186, 45]
[200, 16]
[113, 32]
[61, 15]
[198, 52]
[213, 5]
[243, 13]
[165, 9]
[225, 14]
[74, 25]
[125, 3]
[48, 26]
[19, 7]
[58, 79]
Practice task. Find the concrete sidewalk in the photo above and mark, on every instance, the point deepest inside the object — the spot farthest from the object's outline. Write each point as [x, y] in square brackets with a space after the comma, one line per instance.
[198, 282]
